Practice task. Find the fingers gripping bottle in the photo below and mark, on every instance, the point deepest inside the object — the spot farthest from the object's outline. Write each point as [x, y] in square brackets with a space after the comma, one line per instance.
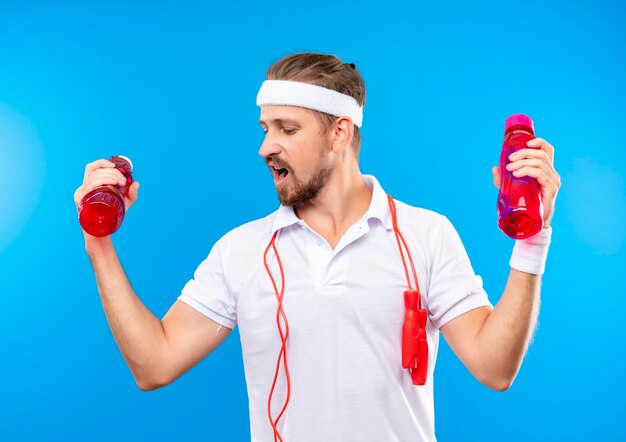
[520, 211]
[102, 210]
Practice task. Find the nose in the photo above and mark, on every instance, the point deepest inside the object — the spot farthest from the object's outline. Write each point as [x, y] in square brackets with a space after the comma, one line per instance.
[269, 147]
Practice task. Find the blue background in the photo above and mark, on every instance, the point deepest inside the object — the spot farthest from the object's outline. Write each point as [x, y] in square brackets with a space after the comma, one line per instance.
[174, 87]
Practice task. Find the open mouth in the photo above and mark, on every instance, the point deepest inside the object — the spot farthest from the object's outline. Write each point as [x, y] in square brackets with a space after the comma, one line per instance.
[279, 174]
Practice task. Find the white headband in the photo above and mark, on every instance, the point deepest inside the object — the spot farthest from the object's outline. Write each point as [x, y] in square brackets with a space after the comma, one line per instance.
[310, 96]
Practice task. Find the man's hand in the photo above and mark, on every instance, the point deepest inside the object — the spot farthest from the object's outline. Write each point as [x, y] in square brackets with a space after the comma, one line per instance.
[539, 164]
[101, 173]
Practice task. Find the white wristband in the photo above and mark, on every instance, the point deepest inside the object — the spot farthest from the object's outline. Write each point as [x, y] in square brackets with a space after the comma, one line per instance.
[529, 255]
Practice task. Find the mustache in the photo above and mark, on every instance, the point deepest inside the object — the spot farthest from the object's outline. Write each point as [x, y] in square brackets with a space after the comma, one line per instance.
[277, 162]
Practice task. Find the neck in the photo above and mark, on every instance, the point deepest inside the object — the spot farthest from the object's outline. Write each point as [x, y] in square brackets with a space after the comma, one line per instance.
[343, 201]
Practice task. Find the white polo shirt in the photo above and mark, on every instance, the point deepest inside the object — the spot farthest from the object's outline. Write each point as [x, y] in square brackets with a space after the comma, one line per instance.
[345, 309]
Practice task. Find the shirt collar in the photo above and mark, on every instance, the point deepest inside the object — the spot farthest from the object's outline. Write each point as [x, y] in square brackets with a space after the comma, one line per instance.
[379, 208]
[285, 216]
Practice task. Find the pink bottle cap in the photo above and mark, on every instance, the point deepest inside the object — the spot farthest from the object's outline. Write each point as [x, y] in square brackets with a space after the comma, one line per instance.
[519, 119]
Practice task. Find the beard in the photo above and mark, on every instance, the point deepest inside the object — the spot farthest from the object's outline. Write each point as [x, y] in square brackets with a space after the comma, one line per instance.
[304, 191]
[301, 192]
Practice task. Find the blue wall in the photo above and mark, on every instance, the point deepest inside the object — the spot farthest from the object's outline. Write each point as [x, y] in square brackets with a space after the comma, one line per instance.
[174, 87]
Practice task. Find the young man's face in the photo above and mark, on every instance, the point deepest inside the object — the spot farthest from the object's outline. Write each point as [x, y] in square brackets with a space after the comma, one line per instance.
[296, 151]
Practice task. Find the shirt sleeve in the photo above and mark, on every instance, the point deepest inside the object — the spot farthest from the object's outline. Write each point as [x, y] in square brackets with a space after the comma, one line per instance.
[454, 288]
[208, 291]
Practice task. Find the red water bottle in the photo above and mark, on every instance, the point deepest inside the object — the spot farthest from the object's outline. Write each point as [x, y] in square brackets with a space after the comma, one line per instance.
[102, 210]
[520, 210]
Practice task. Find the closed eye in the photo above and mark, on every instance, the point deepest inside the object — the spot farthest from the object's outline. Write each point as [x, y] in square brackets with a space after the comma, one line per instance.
[286, 131]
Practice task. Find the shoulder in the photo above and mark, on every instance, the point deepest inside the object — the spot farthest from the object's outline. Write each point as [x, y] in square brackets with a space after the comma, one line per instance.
[431, 229]
[421, 218]
[249, 236]
[261, 227]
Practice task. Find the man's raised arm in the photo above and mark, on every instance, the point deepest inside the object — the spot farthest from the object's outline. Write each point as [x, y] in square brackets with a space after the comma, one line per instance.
[492, 342]
[157, 352]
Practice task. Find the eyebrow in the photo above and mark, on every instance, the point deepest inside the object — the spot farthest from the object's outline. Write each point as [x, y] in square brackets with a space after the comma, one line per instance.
[281, 120]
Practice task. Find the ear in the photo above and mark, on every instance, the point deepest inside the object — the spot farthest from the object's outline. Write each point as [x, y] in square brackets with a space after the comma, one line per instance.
[341, 134]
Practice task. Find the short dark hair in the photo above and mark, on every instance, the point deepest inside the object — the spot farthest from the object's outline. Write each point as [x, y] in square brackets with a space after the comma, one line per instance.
[327, 71]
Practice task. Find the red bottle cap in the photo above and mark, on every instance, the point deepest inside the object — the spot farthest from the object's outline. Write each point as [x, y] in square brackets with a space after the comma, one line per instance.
[519, 119]
[129, 161]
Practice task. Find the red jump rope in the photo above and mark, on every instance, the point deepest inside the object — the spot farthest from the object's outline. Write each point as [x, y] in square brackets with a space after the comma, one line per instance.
[414, 343]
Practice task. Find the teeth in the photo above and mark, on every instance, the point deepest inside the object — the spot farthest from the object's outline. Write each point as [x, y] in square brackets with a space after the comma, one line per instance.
[280, 172]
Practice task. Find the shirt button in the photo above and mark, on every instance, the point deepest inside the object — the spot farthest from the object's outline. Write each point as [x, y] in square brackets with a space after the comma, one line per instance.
[319, 243]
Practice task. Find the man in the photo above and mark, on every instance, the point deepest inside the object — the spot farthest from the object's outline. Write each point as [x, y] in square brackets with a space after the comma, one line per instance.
[317, 286]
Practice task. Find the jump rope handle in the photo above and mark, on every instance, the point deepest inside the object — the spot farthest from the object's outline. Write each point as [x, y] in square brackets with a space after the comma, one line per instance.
[414, 343]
